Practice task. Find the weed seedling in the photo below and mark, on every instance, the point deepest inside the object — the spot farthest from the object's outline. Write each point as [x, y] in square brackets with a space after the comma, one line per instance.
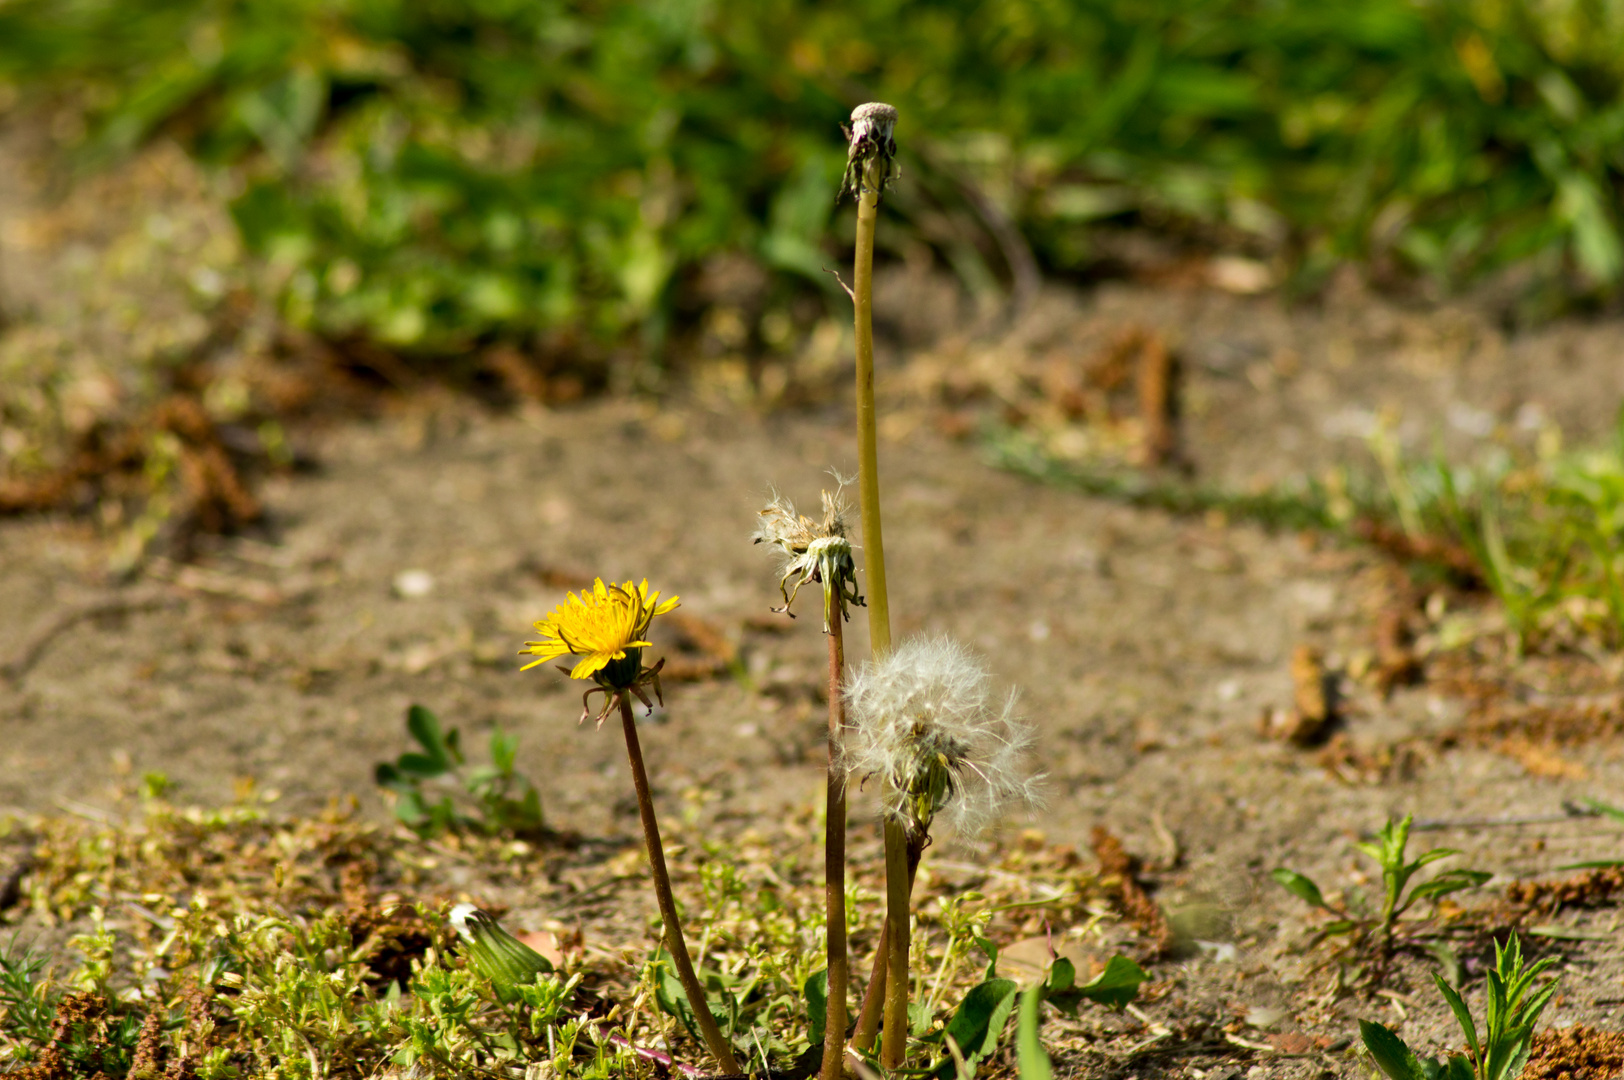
[1359, 921]
[28, 999]
[1501, 1051]
[505, 802]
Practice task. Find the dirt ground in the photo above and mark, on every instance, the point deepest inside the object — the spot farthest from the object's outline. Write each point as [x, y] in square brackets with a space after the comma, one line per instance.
[1145, 645]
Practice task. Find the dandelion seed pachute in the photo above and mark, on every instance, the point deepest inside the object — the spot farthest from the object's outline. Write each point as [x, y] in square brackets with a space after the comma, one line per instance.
[926, 723]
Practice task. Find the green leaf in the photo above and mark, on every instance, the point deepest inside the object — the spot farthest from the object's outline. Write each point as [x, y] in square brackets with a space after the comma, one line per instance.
[1447, 959]
[1597, 805]
[1062, 974]
[816, 993]
[1390, 1053]
[421, 766]
[1433, 856]
[1454, 881]
[1463, 1015]
[670, 996]
[440, 747]
[1558, 932]
[990, 950]
[1301, 887]
[410, 811]
[504, 751]
[1117, 985]
[1031, 1059]
[979, 1021]
[1456, 1068]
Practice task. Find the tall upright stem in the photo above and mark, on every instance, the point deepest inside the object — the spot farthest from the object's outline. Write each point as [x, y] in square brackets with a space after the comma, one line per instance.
[869, 1016]
[834, 888]
[718, 1045]
[868, 475]
[897, 889]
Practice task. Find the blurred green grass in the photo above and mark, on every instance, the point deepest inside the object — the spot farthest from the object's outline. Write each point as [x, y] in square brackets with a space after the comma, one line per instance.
[436, 174]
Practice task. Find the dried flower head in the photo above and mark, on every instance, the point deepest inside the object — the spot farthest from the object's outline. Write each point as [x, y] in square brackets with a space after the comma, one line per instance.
[605, 628]
[871, 144]
[818, 551]
[925, 723]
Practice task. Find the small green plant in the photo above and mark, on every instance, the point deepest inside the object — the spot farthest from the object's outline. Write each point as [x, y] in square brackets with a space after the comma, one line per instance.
[1115, 988]
[29, 1001]
[1501, 1051]
[504, 801]
[1361, 921]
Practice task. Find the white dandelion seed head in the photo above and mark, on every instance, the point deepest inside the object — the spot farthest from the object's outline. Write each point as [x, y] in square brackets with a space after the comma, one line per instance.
[926, 724]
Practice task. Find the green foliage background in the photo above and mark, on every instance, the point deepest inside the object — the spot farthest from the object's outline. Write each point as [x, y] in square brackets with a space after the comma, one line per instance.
[432, 173]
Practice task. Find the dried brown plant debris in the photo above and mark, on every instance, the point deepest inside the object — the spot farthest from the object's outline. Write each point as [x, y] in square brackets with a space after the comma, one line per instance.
[1558, 701]
[1120, 870]
[1539, 759]
[1156, 402]
[81, 1042]
[1314, 702]
[1593, 887]
[1396, 661]
[1383, 764]
[213, 494]
[1575, 1053]
[705, 651]
[1131, 379]
[1453, 557]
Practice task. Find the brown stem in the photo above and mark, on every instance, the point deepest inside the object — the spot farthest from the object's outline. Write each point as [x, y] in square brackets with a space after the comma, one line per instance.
[834, 889]
[868, 1017]
[719, 1048]
[897, 922]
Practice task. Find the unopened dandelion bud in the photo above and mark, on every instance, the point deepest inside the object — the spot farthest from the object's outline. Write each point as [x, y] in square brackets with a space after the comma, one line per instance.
[496, 954]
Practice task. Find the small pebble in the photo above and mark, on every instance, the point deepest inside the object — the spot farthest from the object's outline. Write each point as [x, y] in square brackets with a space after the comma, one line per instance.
[413, 584]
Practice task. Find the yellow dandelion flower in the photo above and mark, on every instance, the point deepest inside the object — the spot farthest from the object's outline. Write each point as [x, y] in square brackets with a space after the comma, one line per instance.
[605, 628]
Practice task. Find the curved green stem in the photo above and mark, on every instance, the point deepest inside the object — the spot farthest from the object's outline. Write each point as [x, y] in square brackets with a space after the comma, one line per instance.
[868, 476]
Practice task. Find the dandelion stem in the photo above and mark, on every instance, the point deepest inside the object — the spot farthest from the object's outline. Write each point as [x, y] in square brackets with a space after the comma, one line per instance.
[868, 1017]
[868, 477]
[897, 890]
[674, 944]
[834, 1032]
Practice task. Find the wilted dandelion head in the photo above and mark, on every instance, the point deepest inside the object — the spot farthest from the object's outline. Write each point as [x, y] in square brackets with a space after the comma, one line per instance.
[817, 550]
[926, 724]
[870, 141]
